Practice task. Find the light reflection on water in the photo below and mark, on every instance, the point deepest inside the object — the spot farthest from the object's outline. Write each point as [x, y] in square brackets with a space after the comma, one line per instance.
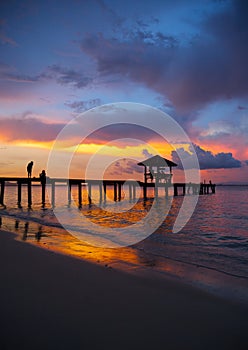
[215, 238]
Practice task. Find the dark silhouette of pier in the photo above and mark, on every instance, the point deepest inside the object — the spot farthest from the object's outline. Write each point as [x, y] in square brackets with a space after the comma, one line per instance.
[103, 186]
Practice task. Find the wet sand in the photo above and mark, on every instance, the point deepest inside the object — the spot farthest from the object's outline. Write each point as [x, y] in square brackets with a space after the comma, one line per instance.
[53, 301]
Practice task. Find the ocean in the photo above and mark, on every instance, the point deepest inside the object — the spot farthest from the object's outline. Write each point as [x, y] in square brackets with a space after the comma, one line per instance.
[210, 252]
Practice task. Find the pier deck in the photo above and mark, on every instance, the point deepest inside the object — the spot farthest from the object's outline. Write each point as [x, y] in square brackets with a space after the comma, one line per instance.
[117, 185]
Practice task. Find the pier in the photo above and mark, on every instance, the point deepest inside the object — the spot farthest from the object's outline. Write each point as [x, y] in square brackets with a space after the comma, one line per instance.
[103, 186]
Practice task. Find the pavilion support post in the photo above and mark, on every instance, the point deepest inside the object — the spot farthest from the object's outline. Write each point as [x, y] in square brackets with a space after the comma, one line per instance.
[145, 184]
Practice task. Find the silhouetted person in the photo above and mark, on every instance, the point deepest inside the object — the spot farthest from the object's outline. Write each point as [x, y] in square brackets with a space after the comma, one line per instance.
[29, 168]
[43, 176]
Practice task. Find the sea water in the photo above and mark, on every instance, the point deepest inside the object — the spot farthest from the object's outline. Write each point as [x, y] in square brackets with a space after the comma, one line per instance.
[211, 251]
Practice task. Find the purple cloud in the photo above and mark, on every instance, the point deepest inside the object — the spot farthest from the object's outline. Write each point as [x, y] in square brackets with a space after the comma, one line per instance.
[207, 160]
[124, 166]
[82, 106]
[28, 127]
[67, 76]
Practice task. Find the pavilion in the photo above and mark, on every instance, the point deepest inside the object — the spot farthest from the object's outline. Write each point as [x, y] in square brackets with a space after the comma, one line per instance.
[158, 169]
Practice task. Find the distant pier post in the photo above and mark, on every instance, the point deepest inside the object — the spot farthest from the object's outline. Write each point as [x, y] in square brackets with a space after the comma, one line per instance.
[115, 191]
[53, 193]
[29, 192]
[134, 191]
[104, 191]
[100, 192]
[166, 190]
[2, 192]
[130, 192]
[213, 188]
[69, 193]
[156, 190]
[184, 189]
[119, 191]
[19, 193]
[89, 193]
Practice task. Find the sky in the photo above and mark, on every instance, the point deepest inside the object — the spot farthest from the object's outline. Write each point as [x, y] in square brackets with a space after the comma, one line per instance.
[185, 58]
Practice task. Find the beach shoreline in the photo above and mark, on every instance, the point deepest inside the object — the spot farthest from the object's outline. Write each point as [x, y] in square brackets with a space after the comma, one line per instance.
[53, 301]
[136, 260]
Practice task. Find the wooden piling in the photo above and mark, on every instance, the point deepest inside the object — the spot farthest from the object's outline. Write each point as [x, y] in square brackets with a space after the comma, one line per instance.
[104, 191]
[43, 191]
[89, 193]
[2, 192]
[144, 191]
[175, 190]
[79, 195]
[69, 192]
[29, 192]
[19, 193]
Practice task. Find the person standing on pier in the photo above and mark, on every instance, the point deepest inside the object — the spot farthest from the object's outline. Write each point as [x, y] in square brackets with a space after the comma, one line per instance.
[29, 168]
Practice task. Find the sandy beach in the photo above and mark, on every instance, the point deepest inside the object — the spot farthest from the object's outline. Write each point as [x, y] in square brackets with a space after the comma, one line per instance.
[53, 301]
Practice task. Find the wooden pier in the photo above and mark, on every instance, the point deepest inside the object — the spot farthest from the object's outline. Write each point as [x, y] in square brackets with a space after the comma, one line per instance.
[103, 186]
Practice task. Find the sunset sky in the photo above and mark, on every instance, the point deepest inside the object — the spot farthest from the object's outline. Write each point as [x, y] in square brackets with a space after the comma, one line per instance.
[187, 58]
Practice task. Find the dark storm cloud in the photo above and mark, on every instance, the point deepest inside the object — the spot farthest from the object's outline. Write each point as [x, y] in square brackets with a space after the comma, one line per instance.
[212, 66]
[207, 160]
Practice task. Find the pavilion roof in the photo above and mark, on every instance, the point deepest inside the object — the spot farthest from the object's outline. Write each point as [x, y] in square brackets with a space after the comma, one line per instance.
[157, 161]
